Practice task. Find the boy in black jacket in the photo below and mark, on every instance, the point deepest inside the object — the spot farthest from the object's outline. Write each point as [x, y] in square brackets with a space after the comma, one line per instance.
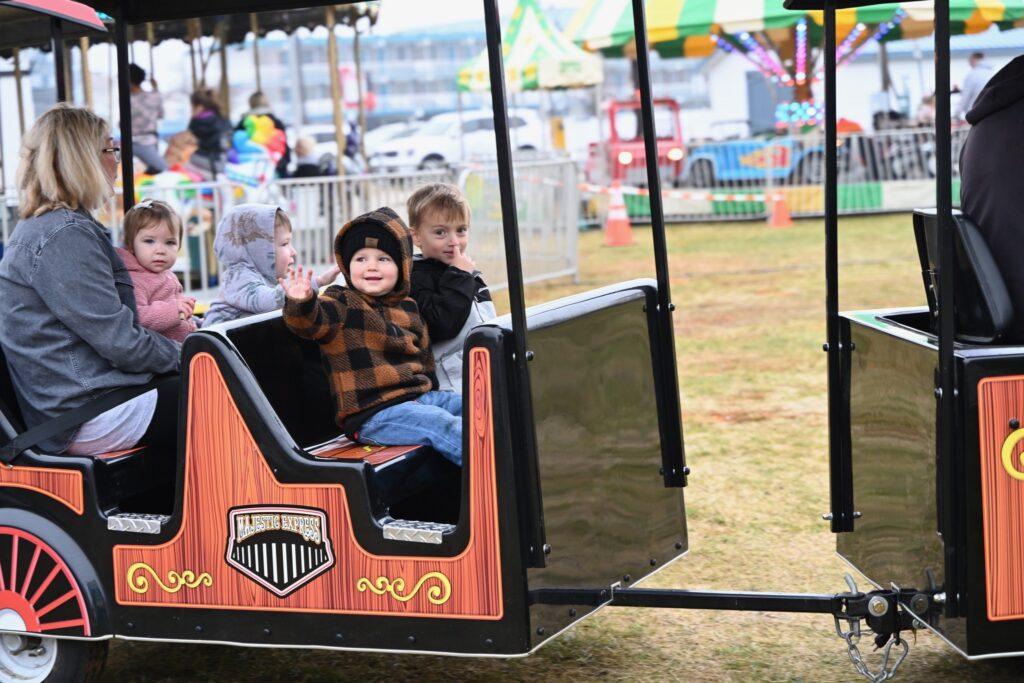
[451, 294]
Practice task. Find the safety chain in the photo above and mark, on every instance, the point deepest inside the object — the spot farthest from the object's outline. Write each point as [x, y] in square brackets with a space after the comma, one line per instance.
[884, 618]
[852, 638]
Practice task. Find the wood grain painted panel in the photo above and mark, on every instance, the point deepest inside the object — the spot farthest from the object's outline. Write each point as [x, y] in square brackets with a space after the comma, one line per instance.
[225, 469]
[64, 486]
[1000, 400]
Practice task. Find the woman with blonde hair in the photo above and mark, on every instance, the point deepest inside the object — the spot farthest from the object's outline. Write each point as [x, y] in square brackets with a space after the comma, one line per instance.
[70, 331]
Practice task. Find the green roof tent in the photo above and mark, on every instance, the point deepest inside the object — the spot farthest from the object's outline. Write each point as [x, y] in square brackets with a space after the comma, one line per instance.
[682, 28]
[780, 42]
[537, 57]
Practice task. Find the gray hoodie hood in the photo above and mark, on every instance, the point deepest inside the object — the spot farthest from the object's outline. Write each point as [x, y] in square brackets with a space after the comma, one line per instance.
[248, 275]
[245, 236]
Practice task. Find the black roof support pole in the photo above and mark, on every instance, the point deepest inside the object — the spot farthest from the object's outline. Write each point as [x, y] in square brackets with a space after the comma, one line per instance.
[950, 472]
[532, 512]
[840, 464]
[59, 67]
[673, 466]
[124, 100]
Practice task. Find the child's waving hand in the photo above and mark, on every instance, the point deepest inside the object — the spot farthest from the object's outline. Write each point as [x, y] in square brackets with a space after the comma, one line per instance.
[299, 285]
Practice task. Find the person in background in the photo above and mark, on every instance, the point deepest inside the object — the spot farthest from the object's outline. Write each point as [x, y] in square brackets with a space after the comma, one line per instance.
[259, 105]
[991, 184]
[307, 164]
[71, 331]
[980, 73]
[147, 110]
[925, 115]
[209, 126]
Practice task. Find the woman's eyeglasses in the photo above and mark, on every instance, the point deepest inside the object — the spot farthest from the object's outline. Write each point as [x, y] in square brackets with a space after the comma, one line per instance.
[116, 151]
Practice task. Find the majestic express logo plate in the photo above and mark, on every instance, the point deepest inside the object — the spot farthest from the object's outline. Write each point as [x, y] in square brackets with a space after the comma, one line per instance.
[279, 547]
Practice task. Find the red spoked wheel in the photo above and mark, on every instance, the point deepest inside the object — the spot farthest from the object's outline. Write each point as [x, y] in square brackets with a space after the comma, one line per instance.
[39, 595]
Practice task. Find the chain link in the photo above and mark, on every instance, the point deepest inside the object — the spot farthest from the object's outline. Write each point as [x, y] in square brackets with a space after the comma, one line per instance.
[852, 638]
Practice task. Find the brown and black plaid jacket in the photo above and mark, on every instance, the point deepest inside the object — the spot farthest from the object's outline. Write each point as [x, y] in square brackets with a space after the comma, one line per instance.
[376, 350]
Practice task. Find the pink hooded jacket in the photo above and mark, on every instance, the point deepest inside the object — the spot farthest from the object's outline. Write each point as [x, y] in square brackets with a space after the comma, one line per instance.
[156, 298]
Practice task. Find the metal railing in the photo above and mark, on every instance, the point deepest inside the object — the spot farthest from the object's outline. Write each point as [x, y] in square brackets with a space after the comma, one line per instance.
[547, 207]
[318, 207]
[741, 178]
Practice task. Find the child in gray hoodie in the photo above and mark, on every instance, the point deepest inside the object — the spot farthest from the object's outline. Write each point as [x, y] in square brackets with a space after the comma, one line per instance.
[254, 247]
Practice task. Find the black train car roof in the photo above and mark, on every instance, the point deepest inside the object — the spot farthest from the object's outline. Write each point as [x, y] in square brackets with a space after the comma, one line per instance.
[140, 11]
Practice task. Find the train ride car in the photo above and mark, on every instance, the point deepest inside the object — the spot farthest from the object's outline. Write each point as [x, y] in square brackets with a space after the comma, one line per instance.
[925, 411]
[268, 529]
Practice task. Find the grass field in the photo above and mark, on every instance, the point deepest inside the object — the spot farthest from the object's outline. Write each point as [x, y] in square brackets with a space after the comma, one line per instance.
[749, 328]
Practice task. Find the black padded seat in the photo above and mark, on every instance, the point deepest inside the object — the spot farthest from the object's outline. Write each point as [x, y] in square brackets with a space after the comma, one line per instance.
[983, 308]
[290, 372]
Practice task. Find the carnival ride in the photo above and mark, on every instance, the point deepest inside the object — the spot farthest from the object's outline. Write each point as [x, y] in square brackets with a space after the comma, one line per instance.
[265, 528]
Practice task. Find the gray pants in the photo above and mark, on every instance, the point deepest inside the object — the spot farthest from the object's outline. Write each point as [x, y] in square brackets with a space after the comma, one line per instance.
[150, 155]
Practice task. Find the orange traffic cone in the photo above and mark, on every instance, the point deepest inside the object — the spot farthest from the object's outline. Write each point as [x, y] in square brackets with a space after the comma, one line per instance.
[618, 232]
[779, 217]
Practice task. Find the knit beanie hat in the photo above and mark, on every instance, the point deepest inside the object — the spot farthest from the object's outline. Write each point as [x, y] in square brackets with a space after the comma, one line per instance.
[371, 230]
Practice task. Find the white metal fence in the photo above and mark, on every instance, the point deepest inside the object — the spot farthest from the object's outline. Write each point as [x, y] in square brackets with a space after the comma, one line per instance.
[547, 210]
[546, 193]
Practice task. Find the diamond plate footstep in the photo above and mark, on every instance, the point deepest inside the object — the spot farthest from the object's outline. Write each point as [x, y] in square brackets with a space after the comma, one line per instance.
[137, 522]
[415, 532]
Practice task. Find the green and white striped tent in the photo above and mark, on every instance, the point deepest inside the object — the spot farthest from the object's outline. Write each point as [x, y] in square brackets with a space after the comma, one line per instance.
[537, 56]
[684, 27]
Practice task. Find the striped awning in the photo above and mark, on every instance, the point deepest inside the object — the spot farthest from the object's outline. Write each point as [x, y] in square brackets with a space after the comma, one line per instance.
[536, 55]
[684, 27]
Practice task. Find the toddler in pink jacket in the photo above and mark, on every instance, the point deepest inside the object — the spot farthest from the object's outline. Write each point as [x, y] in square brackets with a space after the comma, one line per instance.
[152, 235]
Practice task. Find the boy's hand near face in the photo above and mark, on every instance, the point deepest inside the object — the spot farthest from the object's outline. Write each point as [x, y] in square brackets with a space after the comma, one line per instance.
[328, 276]
[299, 285]
[463, 262]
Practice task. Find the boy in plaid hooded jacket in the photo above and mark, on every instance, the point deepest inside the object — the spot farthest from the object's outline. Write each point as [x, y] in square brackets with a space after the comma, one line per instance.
[373, 342]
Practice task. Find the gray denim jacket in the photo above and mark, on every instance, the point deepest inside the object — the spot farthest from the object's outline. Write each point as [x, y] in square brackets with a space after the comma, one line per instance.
[70, 330]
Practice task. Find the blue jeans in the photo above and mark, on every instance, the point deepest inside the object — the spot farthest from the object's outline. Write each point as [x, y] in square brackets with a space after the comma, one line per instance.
[434, 419]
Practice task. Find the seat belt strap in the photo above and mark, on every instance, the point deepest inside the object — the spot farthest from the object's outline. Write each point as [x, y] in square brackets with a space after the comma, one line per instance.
[72, 418]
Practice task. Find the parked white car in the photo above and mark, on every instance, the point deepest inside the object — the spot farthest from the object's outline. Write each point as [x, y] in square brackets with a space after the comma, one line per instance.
[450, 137]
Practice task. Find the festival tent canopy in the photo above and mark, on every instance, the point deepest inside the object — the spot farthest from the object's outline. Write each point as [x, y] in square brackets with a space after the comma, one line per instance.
[26, 23]
[689, 27]
[536, 55]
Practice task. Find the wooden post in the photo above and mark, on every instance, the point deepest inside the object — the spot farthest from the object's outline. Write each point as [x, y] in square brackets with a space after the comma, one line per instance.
[151, 39]
[192, 37]
[110, 82]
[359, 95]
[69, 74]
[17, 85]
[83, 47]
[254, 25]
[332, 64]
[225, 89]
